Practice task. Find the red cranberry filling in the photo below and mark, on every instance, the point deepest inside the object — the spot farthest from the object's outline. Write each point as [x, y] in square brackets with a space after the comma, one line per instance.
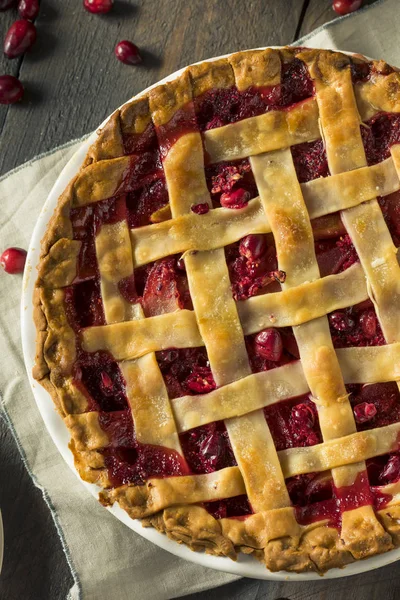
[375, 405]
[207, 448]
[379, 134]
[237, 198]
[99, 378]
[145, 201]
[268, 344]
[141, 462]
[328, 227]
[225, 178]
[390, 206]
[312, 497]
[143, 169]
[356, 494]
[383, 470]
[83, 304]
[162, 287]
[297, 84]
[335, 255]
[356, 326]
[310, 160]
[119, 427]
[150, 193]
[186, 371]
[222, 106]
[239, 506]
[309, 488]
[315, 497]
[293, 423]
[360, 71]
[200, 209]
[253, 246]
[364, 412]
[250, 275]
[136, 143]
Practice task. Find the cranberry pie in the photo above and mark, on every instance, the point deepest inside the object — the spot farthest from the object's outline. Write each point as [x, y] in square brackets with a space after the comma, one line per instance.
[218, 308]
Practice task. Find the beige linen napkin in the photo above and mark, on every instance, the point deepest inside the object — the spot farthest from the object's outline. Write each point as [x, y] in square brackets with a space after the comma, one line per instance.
[107, 559]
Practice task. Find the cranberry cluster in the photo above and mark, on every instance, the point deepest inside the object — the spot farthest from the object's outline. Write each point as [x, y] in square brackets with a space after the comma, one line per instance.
[19, 39]
[21, 36]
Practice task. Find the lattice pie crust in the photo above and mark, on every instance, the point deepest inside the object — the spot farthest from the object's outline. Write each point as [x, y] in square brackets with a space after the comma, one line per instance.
[284, 208]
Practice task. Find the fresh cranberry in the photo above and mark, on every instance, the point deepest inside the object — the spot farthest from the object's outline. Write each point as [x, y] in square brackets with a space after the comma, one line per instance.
[200, 209]
[98, 6]
[268, 344]
[344, 7]
[341, 322]
[19, 38]
[11, 89]
[364, 412]
[391, 472]
[6, 4]
[13, 260]
[252, 246]
[128, 53]
[235, 199]
[368, 323]
[28, 9]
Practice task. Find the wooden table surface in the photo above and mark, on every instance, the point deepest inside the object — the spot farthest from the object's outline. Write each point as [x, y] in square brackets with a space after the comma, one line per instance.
[73, 81]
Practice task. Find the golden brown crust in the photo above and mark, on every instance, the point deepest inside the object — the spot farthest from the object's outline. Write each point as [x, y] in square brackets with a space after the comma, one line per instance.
[135, 116]
[165, 100]
[59, 267]
[317, 547]
[109, 141]
[206, 76]
[259, 68]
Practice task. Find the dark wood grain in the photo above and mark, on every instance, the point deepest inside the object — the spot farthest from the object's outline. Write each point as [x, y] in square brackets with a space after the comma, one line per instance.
[72, 83]
[73, 80]
[7, 66]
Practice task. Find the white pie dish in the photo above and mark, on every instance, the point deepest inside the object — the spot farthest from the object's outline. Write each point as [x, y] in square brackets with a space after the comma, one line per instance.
[245, 565]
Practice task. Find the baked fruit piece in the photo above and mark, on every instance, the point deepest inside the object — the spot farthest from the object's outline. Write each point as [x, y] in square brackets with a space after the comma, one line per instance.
[218, 308]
